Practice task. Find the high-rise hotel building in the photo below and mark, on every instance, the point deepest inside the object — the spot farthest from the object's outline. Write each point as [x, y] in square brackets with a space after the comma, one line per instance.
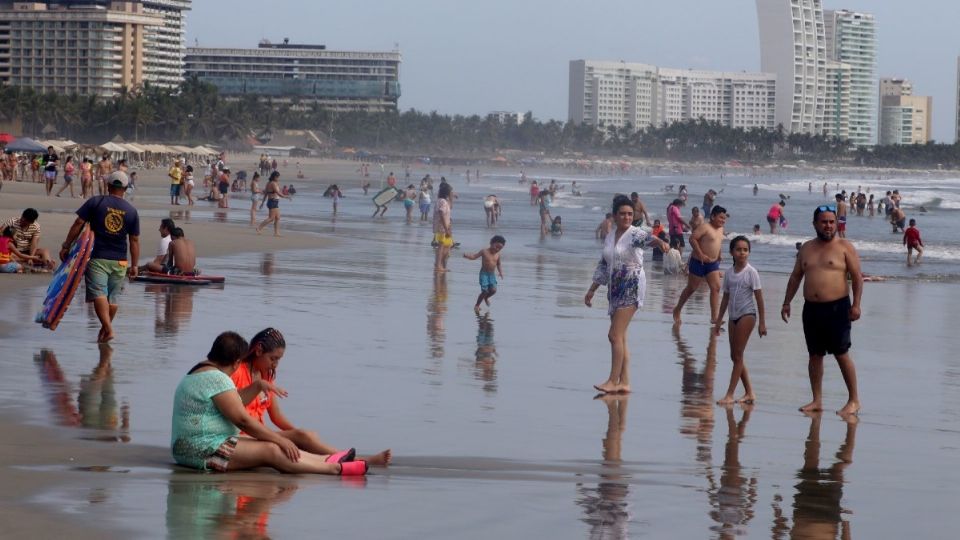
[851, 39]
[86, 48]
[287, 72]
[793, 47]
[91, 47]
[620, 94]
[166, 42]
[904, 117]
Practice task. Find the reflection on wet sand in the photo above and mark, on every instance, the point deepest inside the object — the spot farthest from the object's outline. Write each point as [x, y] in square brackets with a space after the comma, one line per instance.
[816, 505]
[97, 400]
[734, 501]
[180, 216]
[232, 508]
[219, 216]
[267, 264]
[436, 312]
[485, 367]
[697, 394]
[605, 507]
[174, 306]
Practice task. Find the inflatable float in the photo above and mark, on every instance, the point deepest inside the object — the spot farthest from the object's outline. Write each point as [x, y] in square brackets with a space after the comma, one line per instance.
[65, 281]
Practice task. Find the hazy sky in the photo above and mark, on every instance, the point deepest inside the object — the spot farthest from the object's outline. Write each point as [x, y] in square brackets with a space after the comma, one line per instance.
[475, 57]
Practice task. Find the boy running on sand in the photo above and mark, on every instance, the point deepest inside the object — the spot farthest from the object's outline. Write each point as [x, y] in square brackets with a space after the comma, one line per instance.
[490, 262]
[741, 286]
[911, 239]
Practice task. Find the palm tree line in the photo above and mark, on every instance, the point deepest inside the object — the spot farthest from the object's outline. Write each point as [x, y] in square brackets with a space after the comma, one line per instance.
[196, 114]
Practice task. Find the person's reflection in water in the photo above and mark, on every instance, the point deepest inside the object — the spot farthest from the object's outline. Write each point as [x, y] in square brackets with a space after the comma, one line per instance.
[436, 312]
[697, 394]
[97, 401]
[606, 508]
[267, 264]
[199, 508]
[174, 306]
[816, 505]
[486, 356]
[180, 216]
[57, 388]
[734, 501]
[220, 217]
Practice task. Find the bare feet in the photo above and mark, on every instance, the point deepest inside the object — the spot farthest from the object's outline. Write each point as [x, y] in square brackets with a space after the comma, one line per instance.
[487, 301]
[610, 388]
[259, 231]
[676, 315]
[726, 400]
[105, 336]
[851, 408]
[277, 235]
[476, 309]
[747, 398]
[382, 459]
[813, 406]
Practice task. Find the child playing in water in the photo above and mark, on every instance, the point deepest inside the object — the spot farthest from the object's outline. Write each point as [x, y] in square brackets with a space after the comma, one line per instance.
[490, 262]
[911, 239]
[254, 380]
[556, 228]
[741, 286]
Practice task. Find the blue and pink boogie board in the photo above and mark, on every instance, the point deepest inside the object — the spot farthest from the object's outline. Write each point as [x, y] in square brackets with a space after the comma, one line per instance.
[65, 281]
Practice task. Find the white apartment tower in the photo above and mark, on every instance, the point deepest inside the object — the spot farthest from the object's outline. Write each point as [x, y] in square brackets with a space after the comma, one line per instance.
[793, 47]
[166, 42]
[852, 39]
[640, 95]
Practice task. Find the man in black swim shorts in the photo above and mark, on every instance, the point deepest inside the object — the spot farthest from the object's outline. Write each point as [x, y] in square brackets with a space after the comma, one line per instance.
[823, 265]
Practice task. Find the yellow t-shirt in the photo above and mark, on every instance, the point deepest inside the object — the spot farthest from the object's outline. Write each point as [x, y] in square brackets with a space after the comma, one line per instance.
[175, 175]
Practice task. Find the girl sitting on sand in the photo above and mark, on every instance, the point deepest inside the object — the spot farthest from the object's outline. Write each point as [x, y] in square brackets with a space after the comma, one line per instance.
[208, 415]
[260, 364]
[741, 286]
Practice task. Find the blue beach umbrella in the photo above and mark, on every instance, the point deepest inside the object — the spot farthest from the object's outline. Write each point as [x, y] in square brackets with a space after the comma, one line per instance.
[25, 144]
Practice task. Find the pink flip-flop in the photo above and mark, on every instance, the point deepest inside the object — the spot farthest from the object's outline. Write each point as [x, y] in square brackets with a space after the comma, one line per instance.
[341, 457]
[353, 468]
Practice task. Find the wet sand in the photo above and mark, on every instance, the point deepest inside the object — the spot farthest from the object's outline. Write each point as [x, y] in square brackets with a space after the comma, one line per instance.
[492, 418]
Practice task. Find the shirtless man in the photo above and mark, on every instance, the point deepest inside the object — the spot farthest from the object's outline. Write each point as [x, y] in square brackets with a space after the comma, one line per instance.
[825, 262]
[183, 254]
[604, 228]
[104, 168]
[696, 220]
[898, 219]
[639, 209]
[704, 262]
[841, 216]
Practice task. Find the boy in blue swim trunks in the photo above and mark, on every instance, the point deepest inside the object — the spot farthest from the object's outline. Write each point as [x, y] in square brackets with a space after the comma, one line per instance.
[704, 262]
[490, 262]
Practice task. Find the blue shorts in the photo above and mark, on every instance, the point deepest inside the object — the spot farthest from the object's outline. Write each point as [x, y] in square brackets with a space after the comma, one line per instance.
[104, 277]
[408, 203]
[174, 190]
[488, 280]
[11, 267]
[700, 269]
[425, 208]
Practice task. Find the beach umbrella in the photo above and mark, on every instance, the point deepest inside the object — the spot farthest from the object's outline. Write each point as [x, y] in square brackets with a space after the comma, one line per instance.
[25, 144]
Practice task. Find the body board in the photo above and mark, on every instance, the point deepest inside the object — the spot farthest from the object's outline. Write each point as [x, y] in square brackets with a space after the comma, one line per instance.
[385, 195]
[172, 279]
[66, 279]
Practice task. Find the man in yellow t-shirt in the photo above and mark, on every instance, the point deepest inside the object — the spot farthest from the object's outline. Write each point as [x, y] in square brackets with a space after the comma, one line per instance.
[176, 181]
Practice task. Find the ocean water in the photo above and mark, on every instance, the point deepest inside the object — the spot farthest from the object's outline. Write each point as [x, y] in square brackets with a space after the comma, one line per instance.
[492, 418]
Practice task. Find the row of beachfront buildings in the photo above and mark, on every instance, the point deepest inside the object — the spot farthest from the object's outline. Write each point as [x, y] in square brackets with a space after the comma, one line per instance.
[818, 76]
[100, 47]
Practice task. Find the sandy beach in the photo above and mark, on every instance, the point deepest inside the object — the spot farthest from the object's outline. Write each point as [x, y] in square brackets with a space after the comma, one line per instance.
[492, 418]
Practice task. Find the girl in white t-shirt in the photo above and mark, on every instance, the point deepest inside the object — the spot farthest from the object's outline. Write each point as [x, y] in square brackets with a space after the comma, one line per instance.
[741, 286]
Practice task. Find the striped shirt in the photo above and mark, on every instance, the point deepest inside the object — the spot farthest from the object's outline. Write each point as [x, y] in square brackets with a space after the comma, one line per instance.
[23, 236]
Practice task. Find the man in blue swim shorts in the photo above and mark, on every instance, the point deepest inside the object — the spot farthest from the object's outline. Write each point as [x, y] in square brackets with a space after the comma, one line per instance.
[704, 266]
